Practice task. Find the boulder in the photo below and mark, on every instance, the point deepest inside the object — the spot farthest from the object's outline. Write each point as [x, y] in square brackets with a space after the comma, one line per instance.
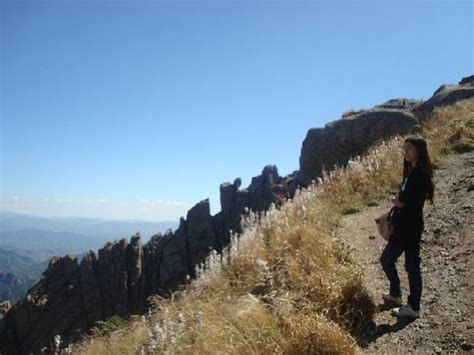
[447, 95]
[467, 80]
[338, 141]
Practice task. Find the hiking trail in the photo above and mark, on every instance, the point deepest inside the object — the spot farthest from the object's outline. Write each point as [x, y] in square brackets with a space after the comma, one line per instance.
[446, 324]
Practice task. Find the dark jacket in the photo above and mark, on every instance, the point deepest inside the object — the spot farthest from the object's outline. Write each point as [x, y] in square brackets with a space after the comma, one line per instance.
[409, 222]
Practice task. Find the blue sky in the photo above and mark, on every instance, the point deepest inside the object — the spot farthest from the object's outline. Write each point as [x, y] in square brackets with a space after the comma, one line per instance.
[140, 109]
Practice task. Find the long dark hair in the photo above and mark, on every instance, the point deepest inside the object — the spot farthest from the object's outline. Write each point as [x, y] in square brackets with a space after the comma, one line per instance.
[423, 163]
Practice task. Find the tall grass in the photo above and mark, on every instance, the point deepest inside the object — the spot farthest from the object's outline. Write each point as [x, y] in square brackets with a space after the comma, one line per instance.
[286, 285]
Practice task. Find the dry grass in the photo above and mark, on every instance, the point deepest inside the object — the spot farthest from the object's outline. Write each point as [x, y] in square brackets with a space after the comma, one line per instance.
[286, 285]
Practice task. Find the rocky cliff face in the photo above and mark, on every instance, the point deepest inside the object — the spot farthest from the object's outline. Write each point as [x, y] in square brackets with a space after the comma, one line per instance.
[71, 295]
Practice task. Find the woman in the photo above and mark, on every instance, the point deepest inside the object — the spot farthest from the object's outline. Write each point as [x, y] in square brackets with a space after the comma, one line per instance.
[417, 186]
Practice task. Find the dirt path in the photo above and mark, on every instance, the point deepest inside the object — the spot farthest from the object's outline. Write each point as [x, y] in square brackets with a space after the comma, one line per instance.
[446, 324]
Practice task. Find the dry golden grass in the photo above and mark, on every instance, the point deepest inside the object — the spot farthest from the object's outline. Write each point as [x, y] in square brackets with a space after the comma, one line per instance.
[286, 285]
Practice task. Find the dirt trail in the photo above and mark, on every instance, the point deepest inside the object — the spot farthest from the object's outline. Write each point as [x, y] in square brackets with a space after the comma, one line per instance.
[446, 324]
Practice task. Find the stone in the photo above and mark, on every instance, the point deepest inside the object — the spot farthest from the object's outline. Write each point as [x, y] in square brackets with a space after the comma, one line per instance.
[174, 264]
[135, 287]
[112, 275]
[399, 104]
[90, 289]
[467, 80]
[264, 188]
[200, 235]
[447, 95]
[151, 265]
[333, 145]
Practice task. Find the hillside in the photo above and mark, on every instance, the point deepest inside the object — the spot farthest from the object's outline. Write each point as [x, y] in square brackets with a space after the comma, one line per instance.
[285, 283]
[18, 273]
[302, 278]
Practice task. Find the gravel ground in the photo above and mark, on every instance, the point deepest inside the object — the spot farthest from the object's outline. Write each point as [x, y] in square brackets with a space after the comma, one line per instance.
[445, 325]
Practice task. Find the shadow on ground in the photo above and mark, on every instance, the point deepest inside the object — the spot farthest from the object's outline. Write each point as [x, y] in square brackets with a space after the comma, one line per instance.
[374, 331]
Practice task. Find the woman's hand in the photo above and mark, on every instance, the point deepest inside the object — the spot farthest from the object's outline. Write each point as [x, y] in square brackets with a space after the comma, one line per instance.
[397, 202]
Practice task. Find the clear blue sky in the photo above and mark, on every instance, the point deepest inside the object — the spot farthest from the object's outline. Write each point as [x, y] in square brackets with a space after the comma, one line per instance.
[137, 109]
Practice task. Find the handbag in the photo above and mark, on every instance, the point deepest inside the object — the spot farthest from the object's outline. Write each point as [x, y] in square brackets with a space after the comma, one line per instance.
[386, 224]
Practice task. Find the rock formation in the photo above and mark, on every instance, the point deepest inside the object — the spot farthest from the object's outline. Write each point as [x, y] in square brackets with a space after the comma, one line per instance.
[340, 140]
[349, 136]
[71, 295]
[449, 94]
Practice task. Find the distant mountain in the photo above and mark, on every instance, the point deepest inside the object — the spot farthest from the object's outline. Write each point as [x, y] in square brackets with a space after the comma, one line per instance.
[12, 287]
[108, 229]
[17, 274]
[28, 242]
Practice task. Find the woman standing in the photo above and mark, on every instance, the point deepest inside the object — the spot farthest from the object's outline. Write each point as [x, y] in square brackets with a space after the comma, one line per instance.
[417, 186]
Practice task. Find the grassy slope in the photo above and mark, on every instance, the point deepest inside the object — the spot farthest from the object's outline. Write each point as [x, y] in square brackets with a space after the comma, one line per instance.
[287, 285]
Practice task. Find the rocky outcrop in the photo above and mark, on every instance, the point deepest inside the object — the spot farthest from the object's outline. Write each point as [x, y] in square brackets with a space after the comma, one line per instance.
[449, 94]
[72, 296]
[340, 140]
[467, 80]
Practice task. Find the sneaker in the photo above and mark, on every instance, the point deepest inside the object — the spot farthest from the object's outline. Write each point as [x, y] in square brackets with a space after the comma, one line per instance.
[395, 300]
[405, 311]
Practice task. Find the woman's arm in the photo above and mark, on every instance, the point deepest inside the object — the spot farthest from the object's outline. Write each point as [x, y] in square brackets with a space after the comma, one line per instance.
[415, 191]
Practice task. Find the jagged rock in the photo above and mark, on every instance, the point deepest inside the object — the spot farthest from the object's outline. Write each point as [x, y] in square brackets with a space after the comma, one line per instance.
[227, 193]
[151, 265]
[263, 188]
[219, 220]
[174, 264]
[233, 204]
[135, 286]
[112, 275]
[91, 292]
[340, 140]
[467, 80]
[200, 235]
[51, 307]
[241, 201]
[447, 95]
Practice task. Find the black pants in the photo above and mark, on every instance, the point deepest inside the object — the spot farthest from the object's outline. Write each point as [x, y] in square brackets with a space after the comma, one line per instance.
[412, 266]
